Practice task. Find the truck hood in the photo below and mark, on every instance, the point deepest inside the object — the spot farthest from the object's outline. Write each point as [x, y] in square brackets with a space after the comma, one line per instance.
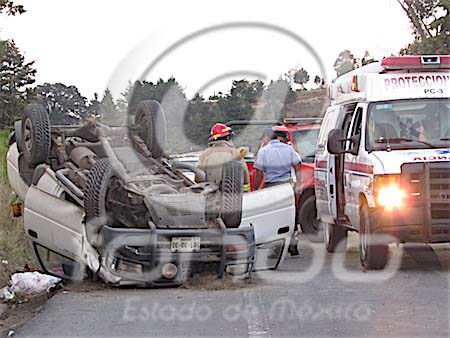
[390, 162]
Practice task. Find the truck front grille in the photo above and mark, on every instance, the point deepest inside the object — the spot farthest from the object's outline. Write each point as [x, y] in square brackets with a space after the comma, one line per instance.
[428, 185]
[440, 191]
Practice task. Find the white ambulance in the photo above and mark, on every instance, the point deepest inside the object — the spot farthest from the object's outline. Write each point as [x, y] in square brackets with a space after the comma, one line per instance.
[382, 165]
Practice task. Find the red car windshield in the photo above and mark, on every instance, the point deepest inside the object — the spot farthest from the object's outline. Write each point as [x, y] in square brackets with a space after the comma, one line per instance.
[305, 143]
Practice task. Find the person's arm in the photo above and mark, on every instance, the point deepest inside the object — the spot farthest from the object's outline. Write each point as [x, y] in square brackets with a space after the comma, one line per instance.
[296, 162]
[298, 176]
[259, 169]
[201, 166]
[259, 174]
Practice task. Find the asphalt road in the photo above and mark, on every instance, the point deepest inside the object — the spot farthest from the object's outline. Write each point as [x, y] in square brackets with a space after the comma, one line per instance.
[411, 301]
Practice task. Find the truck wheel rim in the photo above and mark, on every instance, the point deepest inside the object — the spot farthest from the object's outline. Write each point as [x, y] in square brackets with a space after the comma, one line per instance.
[28, 135]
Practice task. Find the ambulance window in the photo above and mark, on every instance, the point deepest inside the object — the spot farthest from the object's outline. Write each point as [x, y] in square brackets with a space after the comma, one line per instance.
[356, 127]
[325, 128]
[346, 117]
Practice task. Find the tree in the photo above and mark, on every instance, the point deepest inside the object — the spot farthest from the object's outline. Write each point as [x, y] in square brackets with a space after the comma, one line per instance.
[301, 77]
[64, 103]
[16, 76]
[275, 97]
[10, 8]
[317, 81]
[344, 63]
[94, 107]
[431, 24]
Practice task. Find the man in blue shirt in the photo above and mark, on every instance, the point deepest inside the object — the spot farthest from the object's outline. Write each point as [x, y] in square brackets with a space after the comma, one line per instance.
[275, 161]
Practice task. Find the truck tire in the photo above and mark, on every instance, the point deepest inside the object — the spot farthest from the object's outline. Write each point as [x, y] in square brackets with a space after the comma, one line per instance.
[335, 237]
[35, 134]
[373, 256]
[232, 193]
[152, 126]
[307, 218]
[18, 135]
[96, 189]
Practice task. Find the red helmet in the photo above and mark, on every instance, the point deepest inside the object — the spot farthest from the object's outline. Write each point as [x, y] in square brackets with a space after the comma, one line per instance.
[219, 131]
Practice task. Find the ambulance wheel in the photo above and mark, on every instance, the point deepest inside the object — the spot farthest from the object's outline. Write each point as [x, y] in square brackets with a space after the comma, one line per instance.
[35, 134]
[373, 256]
[151, 121]
[232, 193]
[335, 237]
[307, 218]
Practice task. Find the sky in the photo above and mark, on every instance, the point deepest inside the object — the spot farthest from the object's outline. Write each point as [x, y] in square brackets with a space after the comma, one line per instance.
[99, 44]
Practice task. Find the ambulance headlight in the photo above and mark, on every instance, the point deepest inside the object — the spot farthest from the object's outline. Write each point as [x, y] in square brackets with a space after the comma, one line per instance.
[391, 197]
[388, 191]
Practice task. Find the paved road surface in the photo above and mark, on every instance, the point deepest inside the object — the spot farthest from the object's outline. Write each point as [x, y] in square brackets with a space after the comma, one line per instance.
[413, 302]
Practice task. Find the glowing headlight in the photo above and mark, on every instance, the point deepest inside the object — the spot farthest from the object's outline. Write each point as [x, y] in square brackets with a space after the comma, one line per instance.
[391, 197]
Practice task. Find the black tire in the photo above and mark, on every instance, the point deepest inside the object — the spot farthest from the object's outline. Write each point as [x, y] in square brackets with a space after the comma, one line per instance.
[373, 256]
[95, 193]
[35, 134]
[152, 126]
[307, 218]
[335, 237]
[18, 135]
[96, 189]
[232, 193]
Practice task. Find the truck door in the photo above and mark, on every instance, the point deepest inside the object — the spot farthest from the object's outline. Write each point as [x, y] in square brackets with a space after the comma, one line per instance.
[335, 173]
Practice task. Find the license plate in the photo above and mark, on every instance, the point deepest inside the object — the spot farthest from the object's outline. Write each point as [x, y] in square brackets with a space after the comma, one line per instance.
[185, 244]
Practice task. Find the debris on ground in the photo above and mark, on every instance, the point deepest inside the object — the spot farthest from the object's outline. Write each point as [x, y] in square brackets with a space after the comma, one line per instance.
[29, 283]
[7, 295]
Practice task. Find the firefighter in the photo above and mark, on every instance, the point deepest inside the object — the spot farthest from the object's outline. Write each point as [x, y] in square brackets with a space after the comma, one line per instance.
[220, 151]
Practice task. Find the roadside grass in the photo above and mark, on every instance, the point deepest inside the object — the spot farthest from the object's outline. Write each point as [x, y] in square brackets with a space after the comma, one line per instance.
[15, 252]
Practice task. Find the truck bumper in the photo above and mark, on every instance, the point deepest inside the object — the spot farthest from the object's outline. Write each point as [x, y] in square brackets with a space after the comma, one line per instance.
[410, 224]
[138, 256]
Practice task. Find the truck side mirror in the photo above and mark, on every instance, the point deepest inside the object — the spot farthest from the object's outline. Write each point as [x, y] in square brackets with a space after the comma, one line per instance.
[335, 144]
[355, 140]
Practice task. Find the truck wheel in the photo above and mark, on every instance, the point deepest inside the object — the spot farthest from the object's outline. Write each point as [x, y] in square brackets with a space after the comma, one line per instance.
[231, 194]
[373, 256]
[335, 237]
[152, 126]
[307, 218]
[18, 135]
[95, 192]
[35, 134]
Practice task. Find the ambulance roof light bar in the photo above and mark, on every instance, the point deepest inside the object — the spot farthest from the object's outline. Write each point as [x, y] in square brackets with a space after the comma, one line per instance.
[416, 62]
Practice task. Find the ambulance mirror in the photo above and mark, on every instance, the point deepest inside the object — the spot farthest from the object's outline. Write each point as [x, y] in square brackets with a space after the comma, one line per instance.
[335, 144]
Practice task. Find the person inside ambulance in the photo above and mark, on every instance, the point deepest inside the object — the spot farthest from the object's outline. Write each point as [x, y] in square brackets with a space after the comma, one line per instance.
[386, 125]
[220, 151]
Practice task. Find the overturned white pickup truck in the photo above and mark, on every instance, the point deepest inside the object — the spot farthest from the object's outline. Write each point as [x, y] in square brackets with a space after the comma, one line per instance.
[104, 201]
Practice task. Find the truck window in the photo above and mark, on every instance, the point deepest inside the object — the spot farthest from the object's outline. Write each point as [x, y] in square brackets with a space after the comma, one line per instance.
[408, 124]
[305, 143]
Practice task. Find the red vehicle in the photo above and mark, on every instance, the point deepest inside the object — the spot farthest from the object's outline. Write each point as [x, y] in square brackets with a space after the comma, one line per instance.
[303, 134]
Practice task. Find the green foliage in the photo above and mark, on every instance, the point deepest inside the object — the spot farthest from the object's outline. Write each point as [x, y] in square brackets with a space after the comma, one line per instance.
[301, 77]
[4, 134]
[345, 63]
[64, 103]
[431, 22]
[10, 8]
[16, 76]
